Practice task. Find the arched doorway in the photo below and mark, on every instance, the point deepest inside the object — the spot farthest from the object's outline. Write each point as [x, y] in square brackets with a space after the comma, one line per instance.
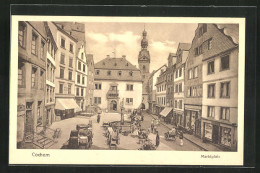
[113, 105]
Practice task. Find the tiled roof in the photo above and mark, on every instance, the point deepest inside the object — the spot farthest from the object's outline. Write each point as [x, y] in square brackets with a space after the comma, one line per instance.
[220, 41]
[184, 46]
[115, 64]
[39, 26]
[230, 30]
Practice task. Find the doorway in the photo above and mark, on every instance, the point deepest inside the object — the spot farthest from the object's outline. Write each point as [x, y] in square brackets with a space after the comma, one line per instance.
[215, 134]
[113, 105]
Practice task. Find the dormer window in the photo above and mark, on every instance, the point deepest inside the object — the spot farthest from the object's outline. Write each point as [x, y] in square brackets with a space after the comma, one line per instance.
[126, 64]
[202, 29]
[115, 64]
[109, 73]
[119, 73]
[131, 73]
[62, 26]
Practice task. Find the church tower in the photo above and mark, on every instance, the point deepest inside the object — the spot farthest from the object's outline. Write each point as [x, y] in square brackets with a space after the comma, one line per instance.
[144, 66]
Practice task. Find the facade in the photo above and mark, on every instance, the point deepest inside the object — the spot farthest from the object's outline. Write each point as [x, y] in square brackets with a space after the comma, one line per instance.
[220, 84]
[90, 80]
[193, 86]
[144, 66]
[117, 84]
[182, 54]
[81, 76]
[65, 72]
[161, 92]
[50, 77]
[32, 47]
[152, 89]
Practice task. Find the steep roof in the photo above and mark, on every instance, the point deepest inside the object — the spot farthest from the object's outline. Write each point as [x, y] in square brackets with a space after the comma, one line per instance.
[39, 26]
[115, 64]
[154, 71]
[184, 46]
[230, 30]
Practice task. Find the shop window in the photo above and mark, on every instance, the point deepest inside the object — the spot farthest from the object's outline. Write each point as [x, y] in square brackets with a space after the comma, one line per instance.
[225, 90]
[225, 62]
[226, 136]
[211, 91]
[34, 44]
[211, 67]
[22, 34]
[225, 113]
[208, 130]
[211, 111]
[34, 74]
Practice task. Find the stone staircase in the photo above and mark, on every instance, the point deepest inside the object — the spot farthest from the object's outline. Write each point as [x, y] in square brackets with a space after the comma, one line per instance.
[43, 142]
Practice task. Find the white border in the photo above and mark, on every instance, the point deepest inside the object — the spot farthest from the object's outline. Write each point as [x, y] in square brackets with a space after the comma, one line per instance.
[120, 157]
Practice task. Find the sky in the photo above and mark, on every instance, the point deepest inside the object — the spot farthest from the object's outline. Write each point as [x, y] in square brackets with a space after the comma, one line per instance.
[102, 38]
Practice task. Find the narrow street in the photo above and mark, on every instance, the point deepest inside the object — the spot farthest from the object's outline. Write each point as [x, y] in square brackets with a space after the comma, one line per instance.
[129, 142]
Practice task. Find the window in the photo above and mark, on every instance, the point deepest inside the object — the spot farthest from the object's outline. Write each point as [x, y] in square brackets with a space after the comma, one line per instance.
[209, 44]
[70, 75]
[71, 48]
[62, 44]
[82, 92]
[211, 111]
[97, 72]
[34, 72]
[210, 67]
[190, 74]
[194, 91]
[34, 44]
[180, 73]
[41, 80]
[83, 80]
[69, 88]
[129, 87]
[21, 34]
[39, 115]
[202, 29]
[61, 88]
[189, 92]
[226, 136]
[131, 73]
[77, 91]
[211, 91]
[78, 78]
[82, 55]
[180, 87]
[84, 68]
[129, 101]
[119, 73]
[225, 113]
[42, 49]
[195, 72]
[98, 86]
[176, 88]
[62, 58]
[144, 68]
[97, 100]
[180, 104]
[225, 62]
[176, 74]
[79, 65]
[21, 75]
[62, 73]
[109, 73]
[225, 90]
[175, 104]
[71, 62]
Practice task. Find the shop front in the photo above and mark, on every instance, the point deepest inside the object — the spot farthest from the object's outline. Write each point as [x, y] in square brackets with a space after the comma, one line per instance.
[193, 119]
[221, 134]
[166, 114]
[66, 108]
[179, 119]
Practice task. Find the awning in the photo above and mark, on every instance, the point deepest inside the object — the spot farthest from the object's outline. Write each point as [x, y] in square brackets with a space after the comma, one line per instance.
[165, 111]
[63, 104]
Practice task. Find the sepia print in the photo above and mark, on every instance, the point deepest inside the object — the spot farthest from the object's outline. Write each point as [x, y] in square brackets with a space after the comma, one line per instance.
[127, 86]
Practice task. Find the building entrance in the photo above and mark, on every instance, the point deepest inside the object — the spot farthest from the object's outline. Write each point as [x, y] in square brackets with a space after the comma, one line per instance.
[113, 105]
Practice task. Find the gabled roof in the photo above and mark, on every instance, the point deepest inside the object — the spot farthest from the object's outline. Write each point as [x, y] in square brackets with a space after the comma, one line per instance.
[184, 46]
[115, 64]
[39, 26]
[230, 30]
[151, 75]
[49, 34]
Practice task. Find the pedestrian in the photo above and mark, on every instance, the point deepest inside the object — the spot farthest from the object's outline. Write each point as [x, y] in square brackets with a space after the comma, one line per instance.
[157, 139]
[181, 137]
[98, 118]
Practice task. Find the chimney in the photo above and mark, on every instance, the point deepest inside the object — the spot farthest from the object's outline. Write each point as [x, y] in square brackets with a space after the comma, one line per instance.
[123, 56]
[108, 56]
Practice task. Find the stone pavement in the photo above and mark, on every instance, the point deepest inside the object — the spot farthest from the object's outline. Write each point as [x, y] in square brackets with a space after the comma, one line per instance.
[198, 142]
